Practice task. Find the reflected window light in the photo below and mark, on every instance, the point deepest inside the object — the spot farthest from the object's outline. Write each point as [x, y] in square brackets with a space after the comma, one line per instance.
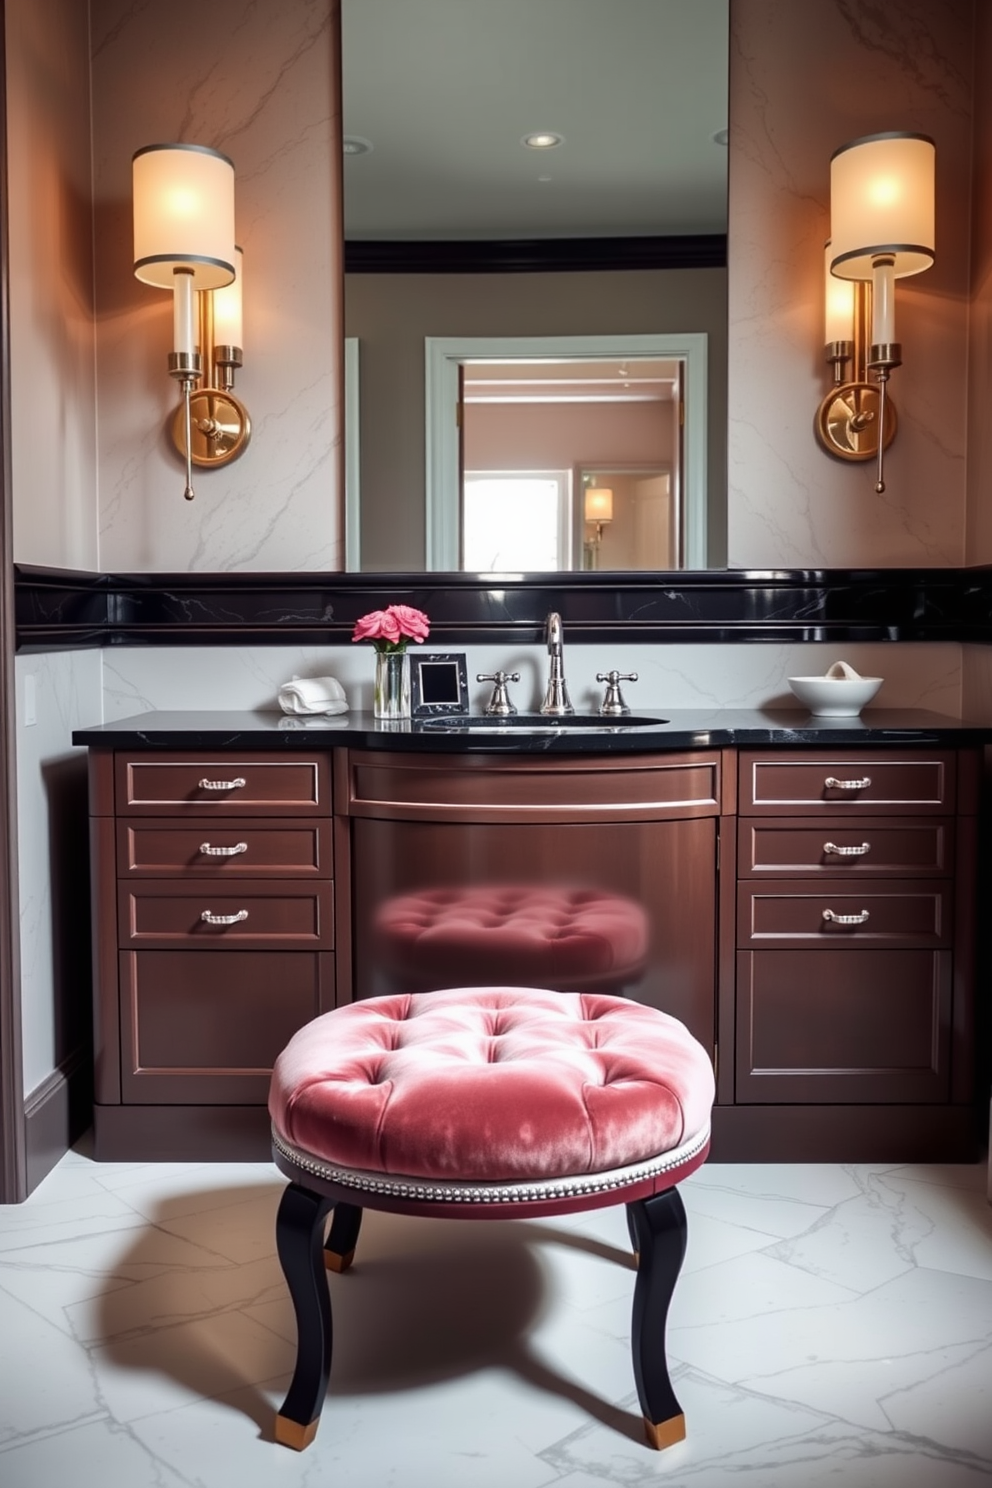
[516, 521]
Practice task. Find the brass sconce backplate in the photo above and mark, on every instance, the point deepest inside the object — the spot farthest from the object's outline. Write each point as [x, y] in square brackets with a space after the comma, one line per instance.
[220, 425]
[847, 421]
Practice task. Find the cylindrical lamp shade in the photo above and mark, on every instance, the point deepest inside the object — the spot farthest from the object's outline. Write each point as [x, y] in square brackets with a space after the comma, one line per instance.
[882, 202]
[228, 327]
[183, 215]
[838, 303]
[598, 504]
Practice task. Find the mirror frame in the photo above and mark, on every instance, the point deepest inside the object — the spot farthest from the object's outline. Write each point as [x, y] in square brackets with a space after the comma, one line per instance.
[444, 355]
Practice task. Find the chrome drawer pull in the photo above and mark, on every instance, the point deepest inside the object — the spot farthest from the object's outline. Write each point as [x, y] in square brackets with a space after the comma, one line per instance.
[232, 852]
[223, 784]
[828, 847]
[858, 919]
[212, 919]
[831, 784]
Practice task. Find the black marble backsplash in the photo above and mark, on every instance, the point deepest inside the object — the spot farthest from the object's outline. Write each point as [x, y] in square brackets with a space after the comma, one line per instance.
[60, 609]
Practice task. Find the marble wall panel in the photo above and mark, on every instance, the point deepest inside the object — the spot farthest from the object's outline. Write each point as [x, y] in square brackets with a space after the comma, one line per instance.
[260, 83]
[978, 546]
[806, 77]
[61, 691]
[50, 267]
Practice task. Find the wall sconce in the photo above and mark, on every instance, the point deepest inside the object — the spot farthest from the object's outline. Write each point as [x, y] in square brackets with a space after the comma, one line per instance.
[881, 230]
[184, 241]
[597, 510]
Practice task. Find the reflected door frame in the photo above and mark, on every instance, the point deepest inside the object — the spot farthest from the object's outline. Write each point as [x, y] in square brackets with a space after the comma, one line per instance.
[352, 472]
[445, 355]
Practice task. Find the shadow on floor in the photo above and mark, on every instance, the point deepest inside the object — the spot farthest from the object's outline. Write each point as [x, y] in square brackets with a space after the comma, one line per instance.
[426, 1301]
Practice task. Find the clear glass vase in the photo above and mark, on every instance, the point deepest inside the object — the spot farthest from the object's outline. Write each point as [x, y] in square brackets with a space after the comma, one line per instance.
[391, 694]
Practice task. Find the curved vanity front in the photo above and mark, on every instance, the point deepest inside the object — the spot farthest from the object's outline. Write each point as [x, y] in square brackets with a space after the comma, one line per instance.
[807, 893]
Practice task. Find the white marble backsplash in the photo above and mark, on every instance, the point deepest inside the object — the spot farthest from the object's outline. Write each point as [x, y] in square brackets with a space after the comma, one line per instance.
[710, 676]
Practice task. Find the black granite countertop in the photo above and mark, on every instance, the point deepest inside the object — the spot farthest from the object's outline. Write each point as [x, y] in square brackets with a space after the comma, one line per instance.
[683, 728]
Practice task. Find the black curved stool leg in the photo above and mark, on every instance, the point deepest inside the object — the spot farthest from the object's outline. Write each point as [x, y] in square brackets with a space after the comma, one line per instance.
[300, 1244]
[339, 1252]
[658, 1227]
[632, 1232]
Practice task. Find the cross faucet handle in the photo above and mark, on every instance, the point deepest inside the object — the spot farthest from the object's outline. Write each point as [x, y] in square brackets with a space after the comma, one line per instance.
[613, 704]
[499, 703]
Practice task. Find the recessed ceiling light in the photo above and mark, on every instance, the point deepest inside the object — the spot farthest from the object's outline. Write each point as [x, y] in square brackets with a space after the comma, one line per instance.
[721, 137]
[542, 140]
[353, 144]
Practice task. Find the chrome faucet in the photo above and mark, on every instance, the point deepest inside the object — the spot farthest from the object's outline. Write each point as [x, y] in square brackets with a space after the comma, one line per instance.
[556, 699]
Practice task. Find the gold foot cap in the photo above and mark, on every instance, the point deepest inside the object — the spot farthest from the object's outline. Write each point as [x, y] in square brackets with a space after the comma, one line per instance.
[664, 1433]
[338, 1263]
[292, 1434]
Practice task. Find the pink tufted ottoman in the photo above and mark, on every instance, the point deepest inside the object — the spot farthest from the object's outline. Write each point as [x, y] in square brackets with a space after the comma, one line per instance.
[574, 939]
[486, 1103]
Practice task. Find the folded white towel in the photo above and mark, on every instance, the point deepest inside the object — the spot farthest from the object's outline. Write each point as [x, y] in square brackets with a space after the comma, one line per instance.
[313, 695]
[841, 671]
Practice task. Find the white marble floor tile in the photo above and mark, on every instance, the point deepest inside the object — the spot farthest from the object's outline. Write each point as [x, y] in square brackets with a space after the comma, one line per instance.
[45, 1382]
[179, 1365]
[950, 1226]
[832, 1324]
[100, 1453]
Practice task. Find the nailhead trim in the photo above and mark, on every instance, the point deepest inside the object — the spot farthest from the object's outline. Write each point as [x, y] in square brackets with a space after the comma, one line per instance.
[426, 1190]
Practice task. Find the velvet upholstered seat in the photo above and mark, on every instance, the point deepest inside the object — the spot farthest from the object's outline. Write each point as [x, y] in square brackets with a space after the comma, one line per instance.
[570, 938]
[494, 1102]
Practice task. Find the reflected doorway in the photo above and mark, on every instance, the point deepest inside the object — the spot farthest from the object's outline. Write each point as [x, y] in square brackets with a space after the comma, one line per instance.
[565, 410]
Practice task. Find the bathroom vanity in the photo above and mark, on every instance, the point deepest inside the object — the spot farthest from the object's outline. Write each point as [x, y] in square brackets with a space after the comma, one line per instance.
[809, 887]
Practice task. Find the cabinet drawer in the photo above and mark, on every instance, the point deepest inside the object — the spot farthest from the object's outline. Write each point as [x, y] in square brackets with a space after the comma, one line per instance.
[228, 849]
[843, 783]
[474, 788]
[854, 1026]
[870, 848]
[259, 913]
[789, 913]
[195, 1028]
[243, 785]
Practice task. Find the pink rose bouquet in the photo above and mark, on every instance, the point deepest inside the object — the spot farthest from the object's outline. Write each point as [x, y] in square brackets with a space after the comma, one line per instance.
[393, 628]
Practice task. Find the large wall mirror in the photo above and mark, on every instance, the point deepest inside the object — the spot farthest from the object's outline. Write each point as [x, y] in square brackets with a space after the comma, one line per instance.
[445, 103]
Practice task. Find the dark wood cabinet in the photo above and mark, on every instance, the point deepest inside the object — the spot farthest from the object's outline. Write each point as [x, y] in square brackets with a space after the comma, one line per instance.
[215, 940]
[811, 918]
[854, 934]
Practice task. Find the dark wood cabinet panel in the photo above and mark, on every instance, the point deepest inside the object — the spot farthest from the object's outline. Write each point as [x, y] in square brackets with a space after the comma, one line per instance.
[202, 1028]
[156, 784]
[827, 915]
[868, 848]
[668, 868]
[231, 849]
[260, 913]
[850, 1026]
[842, 783]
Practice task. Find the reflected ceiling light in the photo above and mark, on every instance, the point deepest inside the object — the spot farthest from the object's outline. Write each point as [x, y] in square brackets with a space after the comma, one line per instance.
[542, 140]
[183, 198]
[881, 230]
[354, 144]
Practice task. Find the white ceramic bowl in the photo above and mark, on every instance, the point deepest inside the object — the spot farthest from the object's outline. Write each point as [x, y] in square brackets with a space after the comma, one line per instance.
[835, 697]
